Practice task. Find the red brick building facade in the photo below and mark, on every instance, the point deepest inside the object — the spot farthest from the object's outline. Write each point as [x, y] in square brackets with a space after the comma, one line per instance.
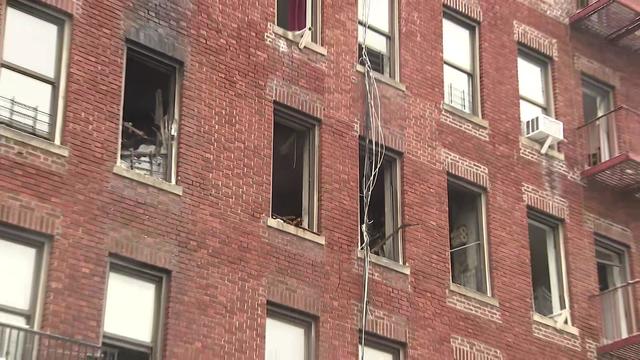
[204, 231]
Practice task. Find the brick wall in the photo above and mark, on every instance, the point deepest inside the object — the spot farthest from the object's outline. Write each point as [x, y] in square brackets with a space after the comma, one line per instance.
[225, 263]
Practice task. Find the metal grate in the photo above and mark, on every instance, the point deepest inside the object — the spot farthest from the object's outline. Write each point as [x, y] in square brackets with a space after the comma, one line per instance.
[24, 117]
[19, 343]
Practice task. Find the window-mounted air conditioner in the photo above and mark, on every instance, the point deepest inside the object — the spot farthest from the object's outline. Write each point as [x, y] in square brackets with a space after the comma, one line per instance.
[543, 129]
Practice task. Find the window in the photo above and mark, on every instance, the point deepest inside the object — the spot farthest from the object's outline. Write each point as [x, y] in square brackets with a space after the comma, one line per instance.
[596, 102]
[384, 208]
[30, 70]
[376, 348]
[298, 15]
[467, 236]
[460, 58]
[149, 119]
[617, 303]
[289, 335]
[534, 85]
[293, 187]
[380, 29]
[133, 312]
[547, 268]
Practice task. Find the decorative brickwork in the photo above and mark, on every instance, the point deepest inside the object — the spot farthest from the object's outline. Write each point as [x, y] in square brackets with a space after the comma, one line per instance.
[29, 214]
[296, 295]
[470, 8]
[545, 201]
[591, 348]
[596, 70]
[607, 228]
[535, 40]
[473, 306]
[295, 97]
[386, 325]
[463, 124]
[465, 168]
[557, 336]
[468, 349]
[557, 9]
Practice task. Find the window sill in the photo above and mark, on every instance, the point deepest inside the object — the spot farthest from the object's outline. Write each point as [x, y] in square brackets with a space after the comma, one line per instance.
[551, 323]
[34, 141]
[535, 146]
[474, 294]
[390, 264]
[294, 230]
[385, 79]
[291, 36]
[160, 184]
[466, 116]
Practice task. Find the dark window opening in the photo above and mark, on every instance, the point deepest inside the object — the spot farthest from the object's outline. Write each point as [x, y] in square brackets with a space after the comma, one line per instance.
[124, 353]
[293, 171]
[382, 225]
[292, 14]
[466, 234]
[148, 129]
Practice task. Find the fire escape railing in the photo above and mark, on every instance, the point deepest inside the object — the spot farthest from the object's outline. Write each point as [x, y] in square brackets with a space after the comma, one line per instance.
[25, 118]
[619, 312]
[19, 343]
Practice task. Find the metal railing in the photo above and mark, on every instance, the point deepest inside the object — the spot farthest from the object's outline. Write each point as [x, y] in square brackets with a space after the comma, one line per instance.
[611, 134]
[619, 311]
[19, 343]
[24, 117]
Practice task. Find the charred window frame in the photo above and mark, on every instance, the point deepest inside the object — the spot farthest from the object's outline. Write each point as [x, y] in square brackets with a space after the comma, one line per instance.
[126, 344]
[384, 207]
[466, 95]
[149, 131]
[382, 45]
[468, 236]
[382, 347]
[35, 108]
[294, 170]
[295, 319]
[295, 16]
[548, 268]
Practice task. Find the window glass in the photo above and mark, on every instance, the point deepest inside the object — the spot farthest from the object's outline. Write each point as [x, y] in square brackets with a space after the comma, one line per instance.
[285, 340]
[458, 88]
[12, 319]
[32, 98]
[131, 307]
[457, 45]
[30, 42]
[528, 110]
[375, 41]
[546, 270]
[378, 13]
[17, 266]
[377, 353]
[531, 80]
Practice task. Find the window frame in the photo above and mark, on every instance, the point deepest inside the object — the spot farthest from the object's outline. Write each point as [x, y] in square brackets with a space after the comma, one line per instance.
[392, 36]
[41, 244]
[163, 63]
[484, 242]
[474, 27]
[394, 158]
[297, 120]
[313, 19]
[592, 87]
[604, 244]
[380, 343]
[58, 81]
[138, 271]
[557, 228]
[545, 64]
[298, 318]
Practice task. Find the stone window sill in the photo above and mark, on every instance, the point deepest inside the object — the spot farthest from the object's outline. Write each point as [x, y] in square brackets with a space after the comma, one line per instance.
[474, 295]
[148, 180]
[385, 79]
[466, 116]
[291, 36]
[389, 264]
[34, 141]
[294, 230]
[537, 147]
[551, 323]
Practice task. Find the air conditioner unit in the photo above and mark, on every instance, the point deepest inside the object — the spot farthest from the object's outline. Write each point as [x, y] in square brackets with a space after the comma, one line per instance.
[543, 129]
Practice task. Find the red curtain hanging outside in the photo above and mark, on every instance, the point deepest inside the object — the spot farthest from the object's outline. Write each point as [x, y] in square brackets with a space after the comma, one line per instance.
[297, 14]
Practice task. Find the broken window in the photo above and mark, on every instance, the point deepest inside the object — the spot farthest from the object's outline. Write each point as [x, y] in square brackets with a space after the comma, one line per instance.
[293, 194]
[459, 53]
[467, 236]
[547, 268]
[149, 127]
[383, 213]
[376, 19]
[298, 15]
[30, 70]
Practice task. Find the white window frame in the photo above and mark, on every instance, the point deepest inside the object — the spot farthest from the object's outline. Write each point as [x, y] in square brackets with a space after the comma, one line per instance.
[474, 27]
[545, 65]
[297, 120]
[297, 318]
[484, 243]
[556, 228]
[59, 81]
[606, 128]
[148, 55]
[394, 42]
[136, 271]
[314, 17]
